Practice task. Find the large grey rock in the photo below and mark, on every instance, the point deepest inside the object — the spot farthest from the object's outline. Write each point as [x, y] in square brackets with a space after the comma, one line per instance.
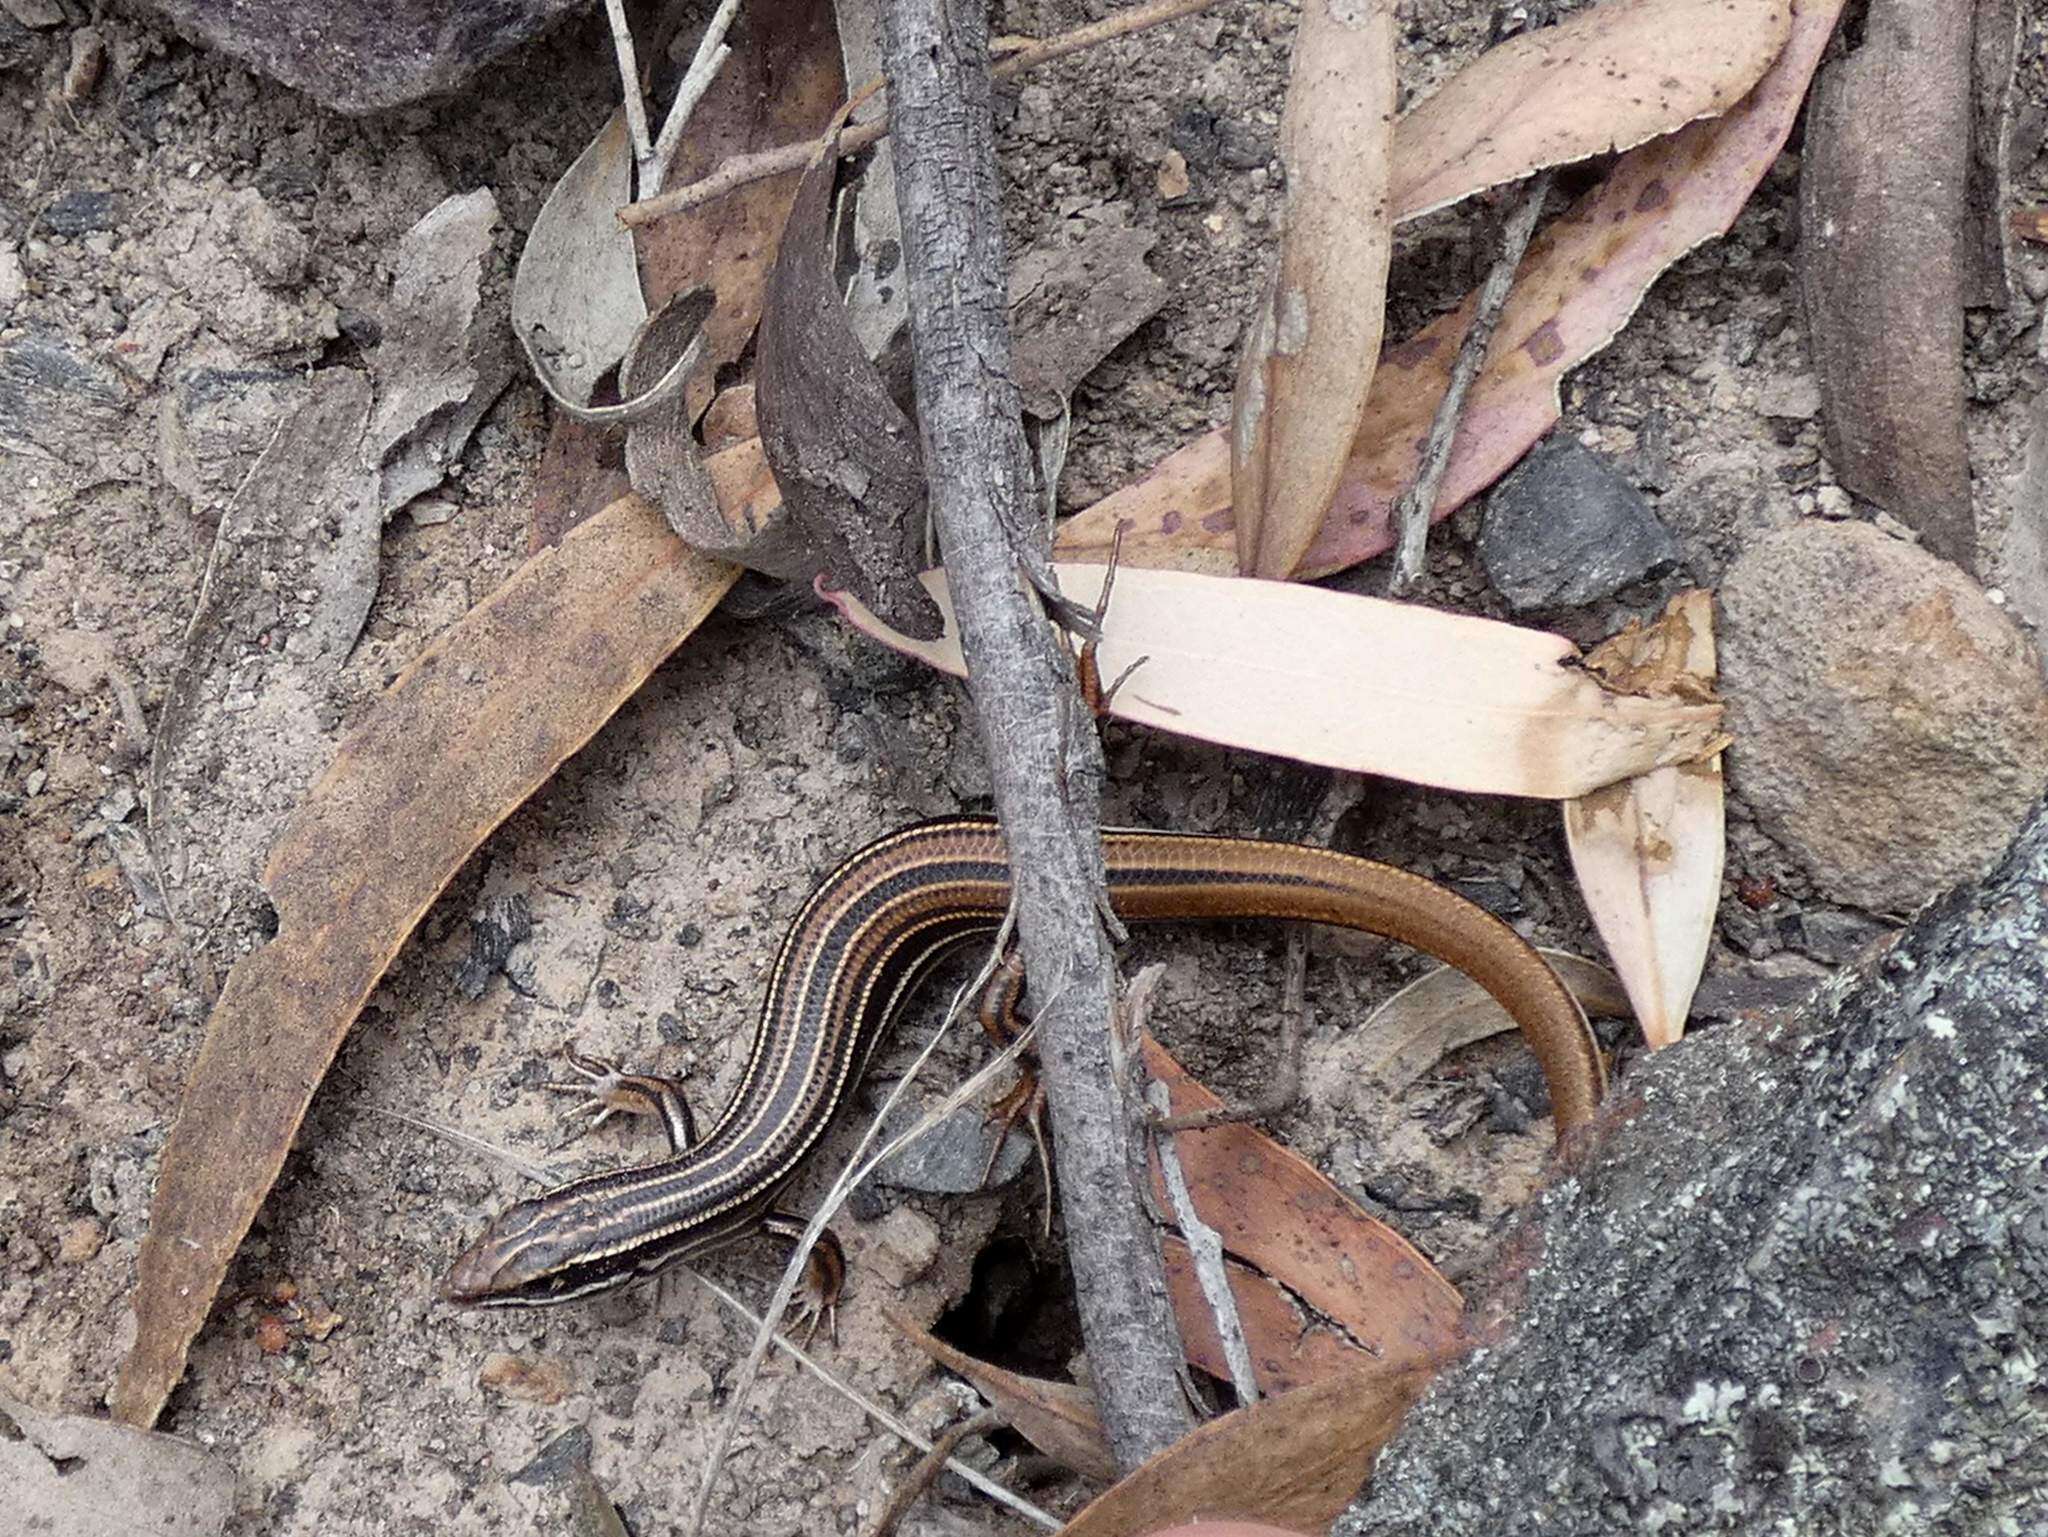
[365, 55]
[1797, 1282]
[1890, 723]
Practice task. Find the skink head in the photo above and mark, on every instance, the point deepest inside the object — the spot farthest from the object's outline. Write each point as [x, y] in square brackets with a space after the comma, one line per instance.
[536, 1254]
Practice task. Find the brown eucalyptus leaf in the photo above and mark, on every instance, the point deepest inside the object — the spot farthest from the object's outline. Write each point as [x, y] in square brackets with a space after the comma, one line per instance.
[846, 458]
[1883, 244]
[1607, 78]
[1582, 278]
[1058, 1418]
[1307, 360]
[1289, 1349]
[1274, 1210]
[467, 732]
[1648, 851]
[1294, 1460]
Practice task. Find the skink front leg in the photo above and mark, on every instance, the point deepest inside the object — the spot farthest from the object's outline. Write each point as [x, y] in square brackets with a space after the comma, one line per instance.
[609, 1090]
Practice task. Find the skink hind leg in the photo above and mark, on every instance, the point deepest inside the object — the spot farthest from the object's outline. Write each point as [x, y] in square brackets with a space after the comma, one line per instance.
[998, 1011]
[609, 1090]
[817, 1301]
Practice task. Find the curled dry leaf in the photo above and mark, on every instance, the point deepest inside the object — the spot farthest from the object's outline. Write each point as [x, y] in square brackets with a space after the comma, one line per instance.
[1607, 78]
[444, 359]
[846, 458]
[1444, 1010]
[780, 83]
[464, 735]
[1358, 683]
[662, 458]
[1294, 1460]
[1308, 357]
[1058, 1418]
[576, 300]
[1885, 242]
[1578, 285]
[1649, 851]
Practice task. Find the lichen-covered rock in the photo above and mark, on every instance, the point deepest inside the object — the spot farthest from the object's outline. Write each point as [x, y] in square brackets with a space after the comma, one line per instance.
[365, 55]
[1800, 1283]
[1890, 723]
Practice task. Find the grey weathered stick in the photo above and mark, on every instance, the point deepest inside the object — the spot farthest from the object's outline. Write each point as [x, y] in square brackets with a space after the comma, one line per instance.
[1044, 759]
[1411, 513]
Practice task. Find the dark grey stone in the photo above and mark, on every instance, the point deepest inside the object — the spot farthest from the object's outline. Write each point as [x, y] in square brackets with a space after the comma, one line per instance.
[493, 934]
[1835, 935]
[365, 55]
[950, 1158]
[1564, 528]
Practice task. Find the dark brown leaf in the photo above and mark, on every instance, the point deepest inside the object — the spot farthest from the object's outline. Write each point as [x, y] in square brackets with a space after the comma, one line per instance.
[1058, 1418]
[1295, 1460]
[1883, 228]
[845, 456]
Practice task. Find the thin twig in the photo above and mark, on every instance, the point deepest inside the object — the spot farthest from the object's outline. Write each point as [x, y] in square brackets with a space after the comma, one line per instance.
[740, 170]
[878, 1414]
[1412, 512]
[629, 78]
[519, 1163]
[704, 67]
[1205, 1247]
[1286, 1088]
[934, 1462]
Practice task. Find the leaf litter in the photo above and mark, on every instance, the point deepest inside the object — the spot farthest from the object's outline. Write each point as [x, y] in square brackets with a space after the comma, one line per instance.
[1662, 198]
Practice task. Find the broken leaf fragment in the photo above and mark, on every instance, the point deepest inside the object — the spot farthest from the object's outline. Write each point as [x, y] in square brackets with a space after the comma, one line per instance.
[1443, 1010]
[1649, 851]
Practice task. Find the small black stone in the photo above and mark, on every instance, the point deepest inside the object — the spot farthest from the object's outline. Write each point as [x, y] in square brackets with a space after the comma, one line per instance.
[80, 212]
